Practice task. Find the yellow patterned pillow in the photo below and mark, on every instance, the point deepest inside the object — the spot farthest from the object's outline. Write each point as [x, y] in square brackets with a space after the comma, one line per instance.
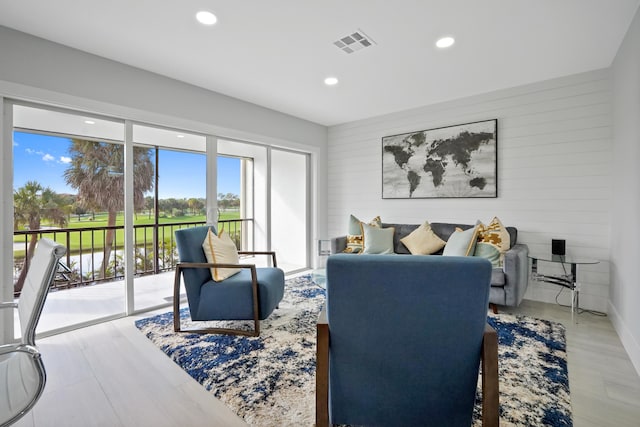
[493, 242]
[354, 236]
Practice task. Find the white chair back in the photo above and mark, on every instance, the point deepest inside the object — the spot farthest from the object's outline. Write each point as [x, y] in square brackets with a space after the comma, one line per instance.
[22, 373]
[42, 270]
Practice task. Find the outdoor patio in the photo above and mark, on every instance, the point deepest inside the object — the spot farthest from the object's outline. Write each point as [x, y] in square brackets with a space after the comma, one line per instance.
[67, 308]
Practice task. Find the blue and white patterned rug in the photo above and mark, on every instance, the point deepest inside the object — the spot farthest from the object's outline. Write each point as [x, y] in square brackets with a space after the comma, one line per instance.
[270, 380]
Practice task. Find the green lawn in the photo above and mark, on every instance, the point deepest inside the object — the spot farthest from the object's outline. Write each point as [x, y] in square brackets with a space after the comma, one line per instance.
[95, 238]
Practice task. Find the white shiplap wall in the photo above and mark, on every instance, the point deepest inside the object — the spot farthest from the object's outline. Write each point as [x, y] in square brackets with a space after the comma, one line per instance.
[554, 172]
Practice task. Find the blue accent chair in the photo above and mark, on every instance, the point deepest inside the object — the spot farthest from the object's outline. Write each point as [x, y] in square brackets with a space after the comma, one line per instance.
[252, 294]
[401, 340]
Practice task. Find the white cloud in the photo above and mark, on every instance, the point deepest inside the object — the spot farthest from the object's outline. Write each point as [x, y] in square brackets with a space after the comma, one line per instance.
[65, 160]
[15, 144]
[48, 157]
[29, 151]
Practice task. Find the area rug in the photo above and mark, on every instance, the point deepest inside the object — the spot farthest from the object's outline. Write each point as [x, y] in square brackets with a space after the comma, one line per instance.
[270, 380]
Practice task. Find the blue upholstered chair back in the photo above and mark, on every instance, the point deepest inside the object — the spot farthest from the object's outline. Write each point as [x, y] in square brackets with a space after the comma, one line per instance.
[189, 243]
[405, 338]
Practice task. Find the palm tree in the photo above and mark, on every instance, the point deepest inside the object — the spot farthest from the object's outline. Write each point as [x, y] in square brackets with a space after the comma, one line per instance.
[32, 204]
[95, 172]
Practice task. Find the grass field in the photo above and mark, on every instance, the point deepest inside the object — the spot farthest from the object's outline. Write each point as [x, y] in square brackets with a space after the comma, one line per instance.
[95, 238]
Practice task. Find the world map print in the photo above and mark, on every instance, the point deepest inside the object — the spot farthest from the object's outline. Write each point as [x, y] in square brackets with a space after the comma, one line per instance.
[454, 161]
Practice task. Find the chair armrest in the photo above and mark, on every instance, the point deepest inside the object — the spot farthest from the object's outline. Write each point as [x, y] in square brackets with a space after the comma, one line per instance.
[8, 305]
[19, 347]
[322, 370]
[183, 265]
[338, 244]
[516, 272]
[272, 253]
[490, 385]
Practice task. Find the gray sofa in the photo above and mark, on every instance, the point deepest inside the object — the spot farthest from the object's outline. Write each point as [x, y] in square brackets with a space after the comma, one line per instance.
[508, 284]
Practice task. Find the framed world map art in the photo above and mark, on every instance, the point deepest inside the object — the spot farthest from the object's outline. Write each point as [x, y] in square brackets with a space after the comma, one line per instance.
[452, 161]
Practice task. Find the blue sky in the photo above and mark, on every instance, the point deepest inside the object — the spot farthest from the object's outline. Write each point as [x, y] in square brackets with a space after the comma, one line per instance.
[44, 159]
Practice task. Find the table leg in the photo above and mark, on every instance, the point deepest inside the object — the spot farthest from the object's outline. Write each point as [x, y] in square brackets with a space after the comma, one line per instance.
[573, 300]
[575, 293]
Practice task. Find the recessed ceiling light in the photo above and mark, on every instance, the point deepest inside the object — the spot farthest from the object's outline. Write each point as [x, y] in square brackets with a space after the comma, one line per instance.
[90, 122]
[206, 18]
[331, 81]
[445, 42]
[180, 136]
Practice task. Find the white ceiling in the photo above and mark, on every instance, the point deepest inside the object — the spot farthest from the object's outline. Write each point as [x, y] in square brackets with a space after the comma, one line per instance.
[276, 53]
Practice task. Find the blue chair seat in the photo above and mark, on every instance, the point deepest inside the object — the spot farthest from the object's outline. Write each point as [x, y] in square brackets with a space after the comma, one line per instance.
[231, 299]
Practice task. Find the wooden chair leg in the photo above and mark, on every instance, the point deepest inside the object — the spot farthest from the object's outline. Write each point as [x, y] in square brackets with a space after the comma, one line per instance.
[176, 299]
[490, 381]
[493, 308]
[322, 371]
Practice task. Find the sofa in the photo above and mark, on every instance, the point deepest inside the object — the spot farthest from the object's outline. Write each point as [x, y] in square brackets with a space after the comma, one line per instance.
[508, 284]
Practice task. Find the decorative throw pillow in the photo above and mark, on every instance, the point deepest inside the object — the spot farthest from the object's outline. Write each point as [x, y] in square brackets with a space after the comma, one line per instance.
[493, 242]
[461, 243]
[220, 249]
[376, 240]
[354, 235]
[423, 241]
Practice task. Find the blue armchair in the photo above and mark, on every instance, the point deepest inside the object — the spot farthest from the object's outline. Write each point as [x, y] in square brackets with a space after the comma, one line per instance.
[401, 340]
[252, 294]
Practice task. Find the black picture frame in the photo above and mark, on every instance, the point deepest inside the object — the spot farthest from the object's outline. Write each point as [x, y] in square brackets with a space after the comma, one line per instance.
[458, 161]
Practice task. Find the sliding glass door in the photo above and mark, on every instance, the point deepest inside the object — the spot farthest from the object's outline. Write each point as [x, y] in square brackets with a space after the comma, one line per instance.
[290, 208]
[114, 192]
[68, 186]
[176, 199]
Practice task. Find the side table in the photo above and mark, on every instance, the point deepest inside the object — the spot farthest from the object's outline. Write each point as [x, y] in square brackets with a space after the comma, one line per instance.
[568, 281]
[319, 274]
[319, 277]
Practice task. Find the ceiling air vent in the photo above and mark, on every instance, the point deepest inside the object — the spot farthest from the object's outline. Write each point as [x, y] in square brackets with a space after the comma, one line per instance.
[354, 42]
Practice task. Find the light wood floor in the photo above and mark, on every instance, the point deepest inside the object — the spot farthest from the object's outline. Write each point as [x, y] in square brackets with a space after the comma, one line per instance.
[111, 375]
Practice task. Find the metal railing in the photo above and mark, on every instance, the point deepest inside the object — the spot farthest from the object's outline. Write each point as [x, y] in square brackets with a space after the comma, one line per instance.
[155, 249]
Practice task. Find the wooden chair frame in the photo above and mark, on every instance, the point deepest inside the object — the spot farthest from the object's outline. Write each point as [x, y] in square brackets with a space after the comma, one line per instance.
[489, 374]
[177, 327]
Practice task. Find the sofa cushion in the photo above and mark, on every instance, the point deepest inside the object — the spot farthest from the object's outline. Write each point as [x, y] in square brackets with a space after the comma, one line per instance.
[444, 230]
[401, 231]
[461, 242]
[493, 242]
[354, 235]
[220, 249]
[377, 240]
[423, 241]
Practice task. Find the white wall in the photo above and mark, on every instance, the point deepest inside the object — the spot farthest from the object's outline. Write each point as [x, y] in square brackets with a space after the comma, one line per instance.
[625, 233]
[554, 178]
[38, 63]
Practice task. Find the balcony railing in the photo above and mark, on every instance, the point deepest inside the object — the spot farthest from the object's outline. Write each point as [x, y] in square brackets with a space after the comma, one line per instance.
[155, 249]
